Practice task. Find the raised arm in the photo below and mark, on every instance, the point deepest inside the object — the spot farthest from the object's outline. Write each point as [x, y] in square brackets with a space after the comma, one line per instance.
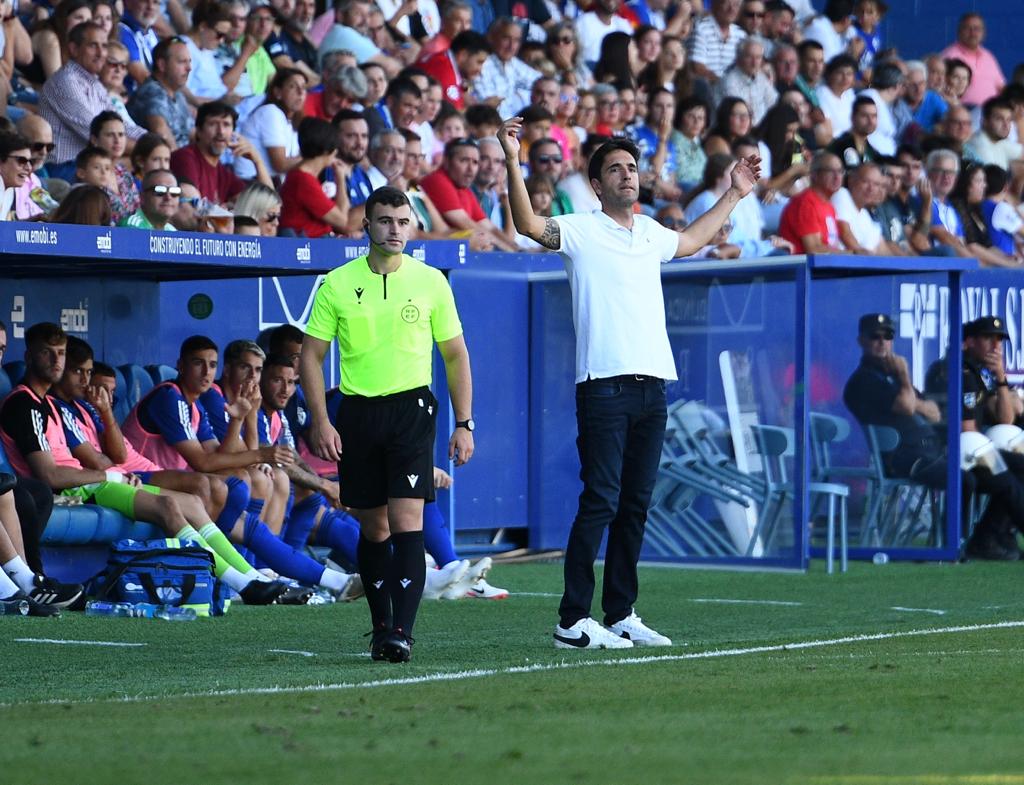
[542, 230]
[698, 234]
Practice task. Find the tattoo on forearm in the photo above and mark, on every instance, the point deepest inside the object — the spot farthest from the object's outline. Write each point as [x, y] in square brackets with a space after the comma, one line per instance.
[551, 237]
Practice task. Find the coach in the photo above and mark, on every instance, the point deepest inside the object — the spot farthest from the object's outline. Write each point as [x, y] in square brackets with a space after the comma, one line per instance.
[623, 360]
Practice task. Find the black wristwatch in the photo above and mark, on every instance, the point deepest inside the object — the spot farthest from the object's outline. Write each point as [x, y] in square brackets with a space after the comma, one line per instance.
[469, 425]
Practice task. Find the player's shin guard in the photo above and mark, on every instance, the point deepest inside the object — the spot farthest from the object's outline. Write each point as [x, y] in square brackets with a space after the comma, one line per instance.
[436, 538]
[374, 559]
[238, 498]
[300, 522]
[408, 574]
[339, 531]
[280, 557]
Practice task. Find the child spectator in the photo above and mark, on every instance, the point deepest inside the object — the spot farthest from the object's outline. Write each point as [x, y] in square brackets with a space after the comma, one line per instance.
[108, 133]
[867, 15]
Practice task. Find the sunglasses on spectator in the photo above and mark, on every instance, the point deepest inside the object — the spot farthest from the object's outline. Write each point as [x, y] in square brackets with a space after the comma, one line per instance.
[674, 223]
[549, 159]
[20, 160]
[565, 39]
[40, 147]
[754, 14]
[117, 63]
[884, 336]
[191, 201]
[165, 190]
[272, 217]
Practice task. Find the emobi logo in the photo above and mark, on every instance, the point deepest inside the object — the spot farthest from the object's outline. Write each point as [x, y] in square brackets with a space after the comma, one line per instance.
[104, 243]
[303, 254]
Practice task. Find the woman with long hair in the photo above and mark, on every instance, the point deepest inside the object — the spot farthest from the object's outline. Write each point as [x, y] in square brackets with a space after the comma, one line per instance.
[262, 204]
[107, 131]
[105, 14]
[271, 128]
[618, 61]
[647, 40]
[669, 70]
[50, 39]
[563, 49]
[780, 131]
[732, 120]
[86, 205]
[691, 121]
[151, 152]
[967, 197]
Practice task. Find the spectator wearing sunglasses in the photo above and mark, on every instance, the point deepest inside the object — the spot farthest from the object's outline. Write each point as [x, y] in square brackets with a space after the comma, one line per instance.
[32, 199]
[211, 24]
[546, 161]
[161, 196]
[15, 168]
[186, 218]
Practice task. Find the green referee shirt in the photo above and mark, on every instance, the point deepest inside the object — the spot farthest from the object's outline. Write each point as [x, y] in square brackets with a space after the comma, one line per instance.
[386, 325]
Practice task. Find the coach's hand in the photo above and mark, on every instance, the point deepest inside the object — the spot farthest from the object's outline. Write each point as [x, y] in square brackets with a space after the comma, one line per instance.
[324, 441]
[460, 446]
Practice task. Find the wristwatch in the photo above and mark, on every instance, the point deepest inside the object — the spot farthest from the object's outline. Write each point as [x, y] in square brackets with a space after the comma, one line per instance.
[469, 425]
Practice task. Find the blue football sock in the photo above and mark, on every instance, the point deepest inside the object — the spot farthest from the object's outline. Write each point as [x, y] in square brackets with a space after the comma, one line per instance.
[255, 506]
[234, 506]
[436, 538]
[340, 531]
[300, 522]
[280, 557]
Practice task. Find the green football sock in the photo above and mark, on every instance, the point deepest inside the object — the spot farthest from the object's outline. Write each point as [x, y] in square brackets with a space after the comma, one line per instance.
[188, 534]
[221, 545]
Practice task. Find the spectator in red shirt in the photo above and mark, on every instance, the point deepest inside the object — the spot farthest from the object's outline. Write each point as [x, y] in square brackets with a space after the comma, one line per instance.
[199, 162]
[305, 208]
[449, 189]
[809, 220]
[454, 68]
[341, 90]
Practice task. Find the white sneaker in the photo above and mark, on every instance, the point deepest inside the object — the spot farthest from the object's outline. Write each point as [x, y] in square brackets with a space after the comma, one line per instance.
[475, 574]
[482, 590]
[632, 628]
[439, 580]
[588, 634]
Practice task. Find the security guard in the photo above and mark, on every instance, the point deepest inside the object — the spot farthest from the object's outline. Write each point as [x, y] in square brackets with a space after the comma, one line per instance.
[387, 310]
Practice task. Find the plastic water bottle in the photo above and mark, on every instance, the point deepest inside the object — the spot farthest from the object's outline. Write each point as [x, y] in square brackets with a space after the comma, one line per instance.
[880, 558]
[103, 608]
[173, 613]
[13, 607]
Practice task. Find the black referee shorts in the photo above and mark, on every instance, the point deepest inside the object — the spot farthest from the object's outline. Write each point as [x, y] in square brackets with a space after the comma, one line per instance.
[387, 448]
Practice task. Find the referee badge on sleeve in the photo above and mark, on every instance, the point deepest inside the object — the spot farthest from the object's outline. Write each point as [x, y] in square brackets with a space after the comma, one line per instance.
[970, 400]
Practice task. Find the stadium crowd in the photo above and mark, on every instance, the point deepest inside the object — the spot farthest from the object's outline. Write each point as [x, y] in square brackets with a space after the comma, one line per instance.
[279, 117]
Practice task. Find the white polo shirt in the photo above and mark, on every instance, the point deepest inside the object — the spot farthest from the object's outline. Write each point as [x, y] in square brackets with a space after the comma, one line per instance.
[618, 307]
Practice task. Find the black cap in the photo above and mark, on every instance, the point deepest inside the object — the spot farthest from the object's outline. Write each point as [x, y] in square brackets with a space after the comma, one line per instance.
[871, 323]
[986, 325]
[779, 5]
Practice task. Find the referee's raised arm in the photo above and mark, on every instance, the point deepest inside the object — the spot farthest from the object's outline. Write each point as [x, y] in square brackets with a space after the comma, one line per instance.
[542, 230]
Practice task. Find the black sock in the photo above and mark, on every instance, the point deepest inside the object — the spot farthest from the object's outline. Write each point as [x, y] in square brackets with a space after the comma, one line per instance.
[408, 574]
[374, 567]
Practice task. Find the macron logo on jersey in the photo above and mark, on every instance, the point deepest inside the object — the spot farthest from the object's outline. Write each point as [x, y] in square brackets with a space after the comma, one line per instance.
[413, 479]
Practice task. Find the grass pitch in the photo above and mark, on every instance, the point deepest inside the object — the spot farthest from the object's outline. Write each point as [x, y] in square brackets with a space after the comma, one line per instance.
[889, 674]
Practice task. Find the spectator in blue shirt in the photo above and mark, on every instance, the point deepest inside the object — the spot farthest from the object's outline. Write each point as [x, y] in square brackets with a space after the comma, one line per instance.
[137, 34]
[926, 106]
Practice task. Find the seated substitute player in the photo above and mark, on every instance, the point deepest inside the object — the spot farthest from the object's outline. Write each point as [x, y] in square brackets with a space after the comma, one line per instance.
[170, 427]
[95, 440]
[243, 364]
[387, 310]
[880, 392]
[33, 436]
[18, 582]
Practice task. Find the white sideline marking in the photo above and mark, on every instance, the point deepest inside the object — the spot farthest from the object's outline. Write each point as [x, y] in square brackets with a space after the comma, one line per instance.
[292, 651]
[533, 594]
[77, 643]
[431, 678]
[746, 602]
[918, 610]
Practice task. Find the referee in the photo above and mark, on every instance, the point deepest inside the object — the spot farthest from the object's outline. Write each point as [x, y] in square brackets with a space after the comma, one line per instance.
[623, 358]
[386, 309]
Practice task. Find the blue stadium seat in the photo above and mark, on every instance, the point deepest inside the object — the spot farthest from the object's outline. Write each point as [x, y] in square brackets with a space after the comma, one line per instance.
[161, 373]
[15, 371]
[138, 380]
[5, 384]
[121, 406]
